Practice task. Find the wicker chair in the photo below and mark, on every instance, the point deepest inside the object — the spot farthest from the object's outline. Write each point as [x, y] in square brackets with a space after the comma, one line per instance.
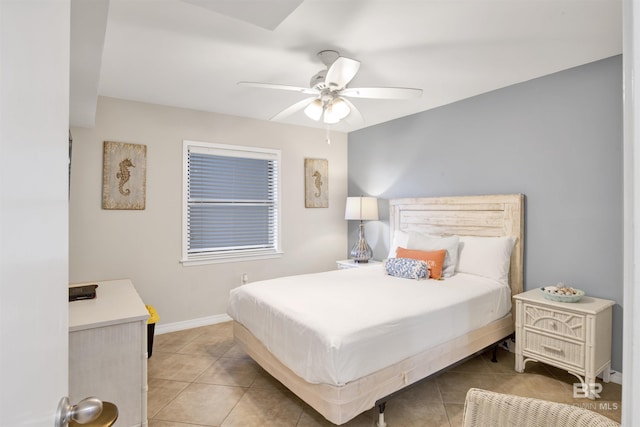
[484, 408]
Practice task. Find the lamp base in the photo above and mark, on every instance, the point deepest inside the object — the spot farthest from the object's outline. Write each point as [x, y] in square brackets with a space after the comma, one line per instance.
[361, 252]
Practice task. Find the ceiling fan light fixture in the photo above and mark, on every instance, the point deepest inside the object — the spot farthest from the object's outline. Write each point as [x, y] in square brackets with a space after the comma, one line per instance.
[314, 110]
[329, 118]
[339, 108]
[336, 110]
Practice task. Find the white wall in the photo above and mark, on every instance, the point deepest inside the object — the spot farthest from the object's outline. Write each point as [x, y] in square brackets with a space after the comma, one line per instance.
[146, 245]
[34, 115]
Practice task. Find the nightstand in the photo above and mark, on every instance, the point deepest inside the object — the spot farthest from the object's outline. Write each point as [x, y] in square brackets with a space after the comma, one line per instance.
[349, 263]
[575, 337]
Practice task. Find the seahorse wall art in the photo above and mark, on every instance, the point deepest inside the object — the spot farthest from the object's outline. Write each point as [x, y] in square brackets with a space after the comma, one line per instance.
[318, 183]
[124, 176]
[316, 173]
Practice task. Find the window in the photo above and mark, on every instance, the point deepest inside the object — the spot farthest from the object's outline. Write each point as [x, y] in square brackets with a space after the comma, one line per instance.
[231, 202]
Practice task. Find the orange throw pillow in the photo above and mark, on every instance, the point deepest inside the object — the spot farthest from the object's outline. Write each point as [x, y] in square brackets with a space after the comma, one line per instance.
[434, 259]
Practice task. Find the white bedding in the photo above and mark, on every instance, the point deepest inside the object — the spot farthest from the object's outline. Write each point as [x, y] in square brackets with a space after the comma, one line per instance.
[338, 326]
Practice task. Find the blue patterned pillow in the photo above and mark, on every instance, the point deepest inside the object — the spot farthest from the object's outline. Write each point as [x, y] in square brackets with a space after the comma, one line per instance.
[407, 268]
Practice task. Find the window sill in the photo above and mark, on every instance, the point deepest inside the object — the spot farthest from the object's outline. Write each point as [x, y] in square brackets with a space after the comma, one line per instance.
[229, 258]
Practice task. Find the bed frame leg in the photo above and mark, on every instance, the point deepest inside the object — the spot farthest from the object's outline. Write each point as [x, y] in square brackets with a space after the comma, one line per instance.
[494, 358]
[505, 344]
[381, 422]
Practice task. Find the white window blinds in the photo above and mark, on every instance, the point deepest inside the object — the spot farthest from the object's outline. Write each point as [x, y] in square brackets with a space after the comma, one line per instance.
[231, 201]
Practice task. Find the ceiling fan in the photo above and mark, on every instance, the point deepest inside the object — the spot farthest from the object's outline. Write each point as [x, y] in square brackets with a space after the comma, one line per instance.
[329, 91]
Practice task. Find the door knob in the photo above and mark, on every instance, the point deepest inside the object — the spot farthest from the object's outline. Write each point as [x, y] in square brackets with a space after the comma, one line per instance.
[83, 412]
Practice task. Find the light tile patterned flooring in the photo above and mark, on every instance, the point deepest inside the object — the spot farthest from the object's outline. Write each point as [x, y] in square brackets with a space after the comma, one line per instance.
[198, 377]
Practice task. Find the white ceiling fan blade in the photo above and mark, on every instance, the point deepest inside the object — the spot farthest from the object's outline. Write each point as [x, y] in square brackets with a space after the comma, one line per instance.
[382, 92]
[293, 109]
[341, 72]
[307, 90]
[354, 116]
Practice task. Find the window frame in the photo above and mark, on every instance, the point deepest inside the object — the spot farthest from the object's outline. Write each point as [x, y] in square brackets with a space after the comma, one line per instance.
[233, 255]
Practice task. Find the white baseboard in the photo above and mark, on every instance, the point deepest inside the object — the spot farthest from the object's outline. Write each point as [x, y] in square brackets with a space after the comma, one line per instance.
[616, 377]
[164, 328]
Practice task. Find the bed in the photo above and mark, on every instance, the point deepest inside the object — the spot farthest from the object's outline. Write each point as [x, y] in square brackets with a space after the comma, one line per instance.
[343, 341]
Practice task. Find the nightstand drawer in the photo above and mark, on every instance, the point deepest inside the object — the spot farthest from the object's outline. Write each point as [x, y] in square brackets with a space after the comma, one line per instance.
[556, 322]
[569, 353]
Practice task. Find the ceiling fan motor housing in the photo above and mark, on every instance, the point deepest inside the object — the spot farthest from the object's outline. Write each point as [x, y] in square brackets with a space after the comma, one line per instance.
[328, 57]
[317, 81]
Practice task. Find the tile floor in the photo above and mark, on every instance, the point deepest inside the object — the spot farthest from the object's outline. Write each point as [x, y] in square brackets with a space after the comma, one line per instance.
[197, 377]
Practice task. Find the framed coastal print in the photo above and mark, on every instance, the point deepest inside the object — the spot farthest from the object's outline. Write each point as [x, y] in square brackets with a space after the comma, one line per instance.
[124, 175]
[316, 183]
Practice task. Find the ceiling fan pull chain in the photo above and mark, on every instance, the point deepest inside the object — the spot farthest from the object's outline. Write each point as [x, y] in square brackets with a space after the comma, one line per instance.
[327, 138]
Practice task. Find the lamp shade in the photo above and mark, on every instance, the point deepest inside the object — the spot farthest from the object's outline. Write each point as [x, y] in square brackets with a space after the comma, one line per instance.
[314, 110]
[361, 208]
[338, 108]
[330, 118]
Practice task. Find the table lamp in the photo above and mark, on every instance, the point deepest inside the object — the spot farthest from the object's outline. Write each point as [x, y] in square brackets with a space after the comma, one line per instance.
[361, 209]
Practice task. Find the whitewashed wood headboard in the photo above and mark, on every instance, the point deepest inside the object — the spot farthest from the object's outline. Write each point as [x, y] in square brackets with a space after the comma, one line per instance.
[489, 216]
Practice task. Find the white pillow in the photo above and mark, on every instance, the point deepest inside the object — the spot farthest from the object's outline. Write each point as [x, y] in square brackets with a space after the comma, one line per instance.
[486, 256]
[400, 238]
[428, 242]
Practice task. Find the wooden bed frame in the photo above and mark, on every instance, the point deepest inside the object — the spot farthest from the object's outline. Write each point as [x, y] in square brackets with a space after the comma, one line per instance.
[492, 215]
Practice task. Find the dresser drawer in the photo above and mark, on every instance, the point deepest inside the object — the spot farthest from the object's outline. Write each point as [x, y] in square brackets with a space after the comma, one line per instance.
[567, 352]
[560, 323]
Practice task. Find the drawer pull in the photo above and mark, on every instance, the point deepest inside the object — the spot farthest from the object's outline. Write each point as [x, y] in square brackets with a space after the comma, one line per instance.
[551, 348]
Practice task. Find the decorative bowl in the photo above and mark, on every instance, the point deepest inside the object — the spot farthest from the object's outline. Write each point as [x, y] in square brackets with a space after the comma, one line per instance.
[553, 293]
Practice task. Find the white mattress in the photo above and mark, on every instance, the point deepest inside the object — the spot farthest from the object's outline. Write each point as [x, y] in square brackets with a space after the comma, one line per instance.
[338, 326]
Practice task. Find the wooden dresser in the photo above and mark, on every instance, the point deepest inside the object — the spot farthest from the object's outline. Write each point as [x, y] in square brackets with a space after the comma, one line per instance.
[575, 337]
[108, 350]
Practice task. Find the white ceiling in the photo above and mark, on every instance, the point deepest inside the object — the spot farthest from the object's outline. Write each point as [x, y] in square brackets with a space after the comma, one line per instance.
[192, 53]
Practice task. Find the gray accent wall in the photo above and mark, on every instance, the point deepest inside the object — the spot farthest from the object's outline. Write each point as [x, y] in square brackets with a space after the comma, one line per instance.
[556, 139]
